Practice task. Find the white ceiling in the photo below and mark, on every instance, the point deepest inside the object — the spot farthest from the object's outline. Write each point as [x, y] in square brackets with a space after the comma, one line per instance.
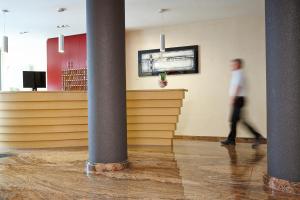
[40, 18]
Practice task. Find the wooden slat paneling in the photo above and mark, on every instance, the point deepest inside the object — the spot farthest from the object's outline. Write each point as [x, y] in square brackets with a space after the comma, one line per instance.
[84, 112]
[43, 129]
[150, 134]
[152, 119]
[20, 137]
[44, 144]
[152, 111]
[171, 94]
[154, 103]
[43, 96]
[59, 119]
[149, 141]
[44, 121]
[42, 105]
[151, 127]
[43, 113]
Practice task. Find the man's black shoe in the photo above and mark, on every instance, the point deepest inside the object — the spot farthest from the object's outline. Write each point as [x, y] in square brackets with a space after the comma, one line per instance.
[257, 142]
[227, 142]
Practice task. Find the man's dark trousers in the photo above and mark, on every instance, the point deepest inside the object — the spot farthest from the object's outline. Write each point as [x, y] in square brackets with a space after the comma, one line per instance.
[236, 114]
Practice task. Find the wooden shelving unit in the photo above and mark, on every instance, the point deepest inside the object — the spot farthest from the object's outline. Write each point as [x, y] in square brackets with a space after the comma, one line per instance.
[74, 79]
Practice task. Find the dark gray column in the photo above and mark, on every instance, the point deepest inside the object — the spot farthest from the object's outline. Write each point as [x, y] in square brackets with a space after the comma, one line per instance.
[106, 81]
[283, 88]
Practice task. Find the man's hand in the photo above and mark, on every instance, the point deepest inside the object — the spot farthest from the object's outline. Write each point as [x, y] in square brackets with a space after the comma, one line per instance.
[232, 100]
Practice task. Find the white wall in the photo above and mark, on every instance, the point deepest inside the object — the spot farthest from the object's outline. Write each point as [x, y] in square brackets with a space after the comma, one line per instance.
[206, 107]
[26, 53]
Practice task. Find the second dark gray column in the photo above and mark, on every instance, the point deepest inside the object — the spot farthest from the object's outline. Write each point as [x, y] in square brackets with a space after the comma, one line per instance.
[106, 81]
[283, 86]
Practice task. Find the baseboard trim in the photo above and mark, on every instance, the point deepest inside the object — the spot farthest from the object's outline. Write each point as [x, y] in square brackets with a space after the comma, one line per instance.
[215, 138]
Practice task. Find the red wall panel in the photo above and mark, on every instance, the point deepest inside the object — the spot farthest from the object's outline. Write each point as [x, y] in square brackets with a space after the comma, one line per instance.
[75, 53]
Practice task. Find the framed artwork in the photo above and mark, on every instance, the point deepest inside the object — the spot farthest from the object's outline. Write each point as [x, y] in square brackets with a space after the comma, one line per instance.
[174, 61]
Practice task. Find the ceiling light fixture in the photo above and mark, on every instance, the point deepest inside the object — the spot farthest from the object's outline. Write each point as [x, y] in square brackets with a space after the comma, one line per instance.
[61, 9]
[23, 32]
[4, 38]
[63, 26]
[162, 35]
[61, 38]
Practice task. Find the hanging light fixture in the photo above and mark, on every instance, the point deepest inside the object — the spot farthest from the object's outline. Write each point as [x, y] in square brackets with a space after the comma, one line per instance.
[61, 43]
[5, 44]
[4, 38]
[162, 35]
[61, 37]
[162, 42]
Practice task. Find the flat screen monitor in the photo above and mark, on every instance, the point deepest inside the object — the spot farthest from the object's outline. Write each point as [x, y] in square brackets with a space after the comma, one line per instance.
[34, 80]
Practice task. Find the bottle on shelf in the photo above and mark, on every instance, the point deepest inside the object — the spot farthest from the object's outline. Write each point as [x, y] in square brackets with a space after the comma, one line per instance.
[74, 79]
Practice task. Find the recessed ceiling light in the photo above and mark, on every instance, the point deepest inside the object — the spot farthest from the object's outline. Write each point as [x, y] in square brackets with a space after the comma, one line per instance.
[163, 10]
[24, 32]
[5, 11]
[61, 9]
[63, 26]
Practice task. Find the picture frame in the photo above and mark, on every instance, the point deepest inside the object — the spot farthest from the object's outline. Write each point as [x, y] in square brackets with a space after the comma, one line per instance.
[174, 61]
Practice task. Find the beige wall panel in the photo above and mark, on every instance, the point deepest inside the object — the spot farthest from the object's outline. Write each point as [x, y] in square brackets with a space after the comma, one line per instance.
[206, 106]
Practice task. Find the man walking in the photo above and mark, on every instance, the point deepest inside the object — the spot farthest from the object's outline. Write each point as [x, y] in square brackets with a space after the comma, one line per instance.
[237, 94]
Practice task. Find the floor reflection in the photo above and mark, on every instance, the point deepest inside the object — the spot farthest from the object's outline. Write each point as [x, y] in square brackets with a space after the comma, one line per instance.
[189, 170]
[210, 171]
[242, 170]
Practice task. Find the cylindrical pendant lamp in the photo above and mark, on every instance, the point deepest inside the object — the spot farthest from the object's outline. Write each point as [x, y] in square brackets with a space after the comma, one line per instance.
[162, 42]
[5, 44]
[61, 43]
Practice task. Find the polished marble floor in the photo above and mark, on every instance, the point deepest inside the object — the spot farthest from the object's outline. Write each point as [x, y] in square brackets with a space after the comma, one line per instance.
[189, 170]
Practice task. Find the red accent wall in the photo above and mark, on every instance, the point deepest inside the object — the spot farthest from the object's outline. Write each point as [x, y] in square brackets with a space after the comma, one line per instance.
[75, 53]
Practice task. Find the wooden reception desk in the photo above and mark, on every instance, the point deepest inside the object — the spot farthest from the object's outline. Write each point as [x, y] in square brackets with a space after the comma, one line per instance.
[60, 119]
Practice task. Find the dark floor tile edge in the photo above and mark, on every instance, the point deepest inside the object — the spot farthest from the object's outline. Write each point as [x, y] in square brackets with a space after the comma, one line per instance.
[216, 139]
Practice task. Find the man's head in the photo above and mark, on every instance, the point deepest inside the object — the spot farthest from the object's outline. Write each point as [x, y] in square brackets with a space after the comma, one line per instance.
[237, 64]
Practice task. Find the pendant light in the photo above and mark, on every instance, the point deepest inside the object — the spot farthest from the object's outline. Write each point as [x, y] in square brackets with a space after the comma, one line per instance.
[4, 38]
[61, 43]
[5, 44]
[162, 35]
[61, 37]
[162, 42]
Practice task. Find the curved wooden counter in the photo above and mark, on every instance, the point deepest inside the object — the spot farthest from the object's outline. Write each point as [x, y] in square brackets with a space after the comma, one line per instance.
[59, 119]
